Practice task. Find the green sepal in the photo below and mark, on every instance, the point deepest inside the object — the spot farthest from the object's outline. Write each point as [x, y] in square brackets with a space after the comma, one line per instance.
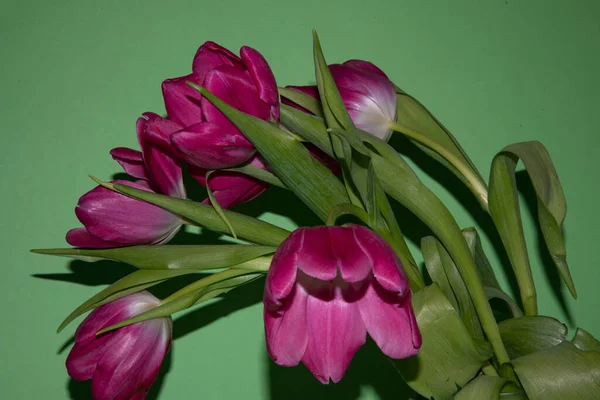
[448, 357]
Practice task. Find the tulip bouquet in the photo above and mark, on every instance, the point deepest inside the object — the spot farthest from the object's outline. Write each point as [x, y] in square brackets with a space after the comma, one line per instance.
[449, 330]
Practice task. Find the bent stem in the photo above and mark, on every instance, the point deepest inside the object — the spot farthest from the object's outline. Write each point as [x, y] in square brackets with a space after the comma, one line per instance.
[476, 185]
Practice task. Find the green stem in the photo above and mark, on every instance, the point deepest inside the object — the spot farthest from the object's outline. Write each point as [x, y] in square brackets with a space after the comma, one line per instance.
[476, 185]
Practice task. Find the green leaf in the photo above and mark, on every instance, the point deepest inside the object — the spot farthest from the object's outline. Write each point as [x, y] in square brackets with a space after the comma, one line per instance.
[190, 295]
[310, 180]
[505, 211]
[493, 293]
[448, 357]
[309, 127]
[412, 114]
[561, 372]
[132, 283]
[199, 257]
[407, 189]
[215, 204]
[259, 174]
[247, 228]
[482, 388]
[452, 283]
[530, 334]
[584, 340]
[303, 100]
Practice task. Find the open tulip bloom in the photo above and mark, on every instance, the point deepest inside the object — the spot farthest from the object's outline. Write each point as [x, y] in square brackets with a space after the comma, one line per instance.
[326, 287]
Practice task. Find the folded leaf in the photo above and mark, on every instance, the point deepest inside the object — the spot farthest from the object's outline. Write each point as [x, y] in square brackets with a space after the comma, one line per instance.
[482, 388]
[448, 357]
[530, 334]
[247, 228]
[201, 257]
[584, 340]
[310, 180]
[258, 173]
[560, 372]
[303, 100]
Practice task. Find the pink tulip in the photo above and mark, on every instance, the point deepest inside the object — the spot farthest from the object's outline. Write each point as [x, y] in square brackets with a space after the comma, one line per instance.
[124, 363]
[326, 288]
[208, 139]
[111, 219]
[367, 93]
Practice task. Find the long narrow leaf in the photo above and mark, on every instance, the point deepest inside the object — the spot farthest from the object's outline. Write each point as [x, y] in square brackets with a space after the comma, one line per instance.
[303, 100]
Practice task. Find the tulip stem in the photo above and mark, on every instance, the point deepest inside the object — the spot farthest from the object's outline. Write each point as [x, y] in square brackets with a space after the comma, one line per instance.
[475, 183]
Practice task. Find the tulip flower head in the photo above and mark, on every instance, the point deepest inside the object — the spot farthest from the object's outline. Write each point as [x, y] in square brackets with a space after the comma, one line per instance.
[367, 93]
[111, 219]
[326, 288]
[124, 363]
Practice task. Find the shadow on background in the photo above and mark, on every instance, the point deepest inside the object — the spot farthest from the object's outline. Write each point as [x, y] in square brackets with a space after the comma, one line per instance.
[369, 367]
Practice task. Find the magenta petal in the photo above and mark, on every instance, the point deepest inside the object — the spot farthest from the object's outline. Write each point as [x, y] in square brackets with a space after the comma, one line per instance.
[131, 161]
[365, 66]
[390, 321]
[80, 237]
[353, 263]
[282, 273]
[386, 267]
[114, 217]
[152, 128]
[335, 332]
[262, 76]
[312, 91]
[236, 189]
[316, 257]
[130, 365]
[181, 101]
[235, 87]
[209, 146]
[164, 172]
[210, 56]
[285, 329]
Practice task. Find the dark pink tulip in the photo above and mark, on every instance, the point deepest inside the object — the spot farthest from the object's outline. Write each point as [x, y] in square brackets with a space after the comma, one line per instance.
[124, 363]
[368, 94]
[326, 288]
[208, 139]
[111, 219]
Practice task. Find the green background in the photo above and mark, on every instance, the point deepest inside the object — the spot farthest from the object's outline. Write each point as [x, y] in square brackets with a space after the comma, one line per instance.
[76, 74]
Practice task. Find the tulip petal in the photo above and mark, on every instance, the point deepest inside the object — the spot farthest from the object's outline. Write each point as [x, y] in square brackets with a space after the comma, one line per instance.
[390, 321]
[263, 78]
[285, 329]
[210, 146]
[365, 66]
[237, 188]
[281, 278]
[316, 257]
[335, 332]
[157, 130]
[126, 368]
[354, 264]
[312, 91]
[181, 101]
[131, 161]
[80, 237]
[235, 87]
[386, 267]
[113, 217]
[210, 56]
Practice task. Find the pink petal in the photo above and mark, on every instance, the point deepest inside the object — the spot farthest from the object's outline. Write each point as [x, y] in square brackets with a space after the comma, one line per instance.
[131, 365]
[312, 91]
[210, 146]
[181, 101]
[316, 257]
[285, 329]
[80, 237]
[210, 56]
[113, 217]
[331, 163]
[353, 263]
[235, 87]
[335, 332]
[157, 130]
[263, 78]
[281, 278]
[390, 321]
[237, 188]
[365, 66]
[386, 267]
[131, 161]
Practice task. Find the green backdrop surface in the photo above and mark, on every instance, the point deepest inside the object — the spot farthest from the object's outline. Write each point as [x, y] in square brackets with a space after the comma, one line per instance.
[77, 73]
